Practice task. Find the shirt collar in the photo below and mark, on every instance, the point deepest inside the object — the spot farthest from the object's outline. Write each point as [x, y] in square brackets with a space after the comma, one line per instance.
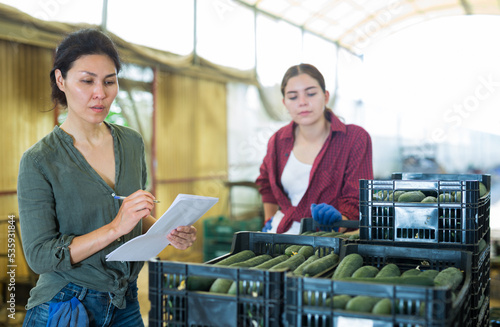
[67, 138]
[335, 126]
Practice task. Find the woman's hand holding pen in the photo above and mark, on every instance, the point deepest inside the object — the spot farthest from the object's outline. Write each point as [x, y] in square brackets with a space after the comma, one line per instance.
[182, 237]
[134, 207]
[138, 206]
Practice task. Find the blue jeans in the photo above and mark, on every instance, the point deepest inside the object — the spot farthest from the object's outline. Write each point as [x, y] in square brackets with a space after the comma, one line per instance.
[97, 304]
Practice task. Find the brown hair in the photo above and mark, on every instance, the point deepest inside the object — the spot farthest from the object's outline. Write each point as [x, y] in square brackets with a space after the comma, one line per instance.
[309, 70]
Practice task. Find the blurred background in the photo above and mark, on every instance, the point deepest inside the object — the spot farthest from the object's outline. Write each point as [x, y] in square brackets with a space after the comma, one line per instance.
[201, 84]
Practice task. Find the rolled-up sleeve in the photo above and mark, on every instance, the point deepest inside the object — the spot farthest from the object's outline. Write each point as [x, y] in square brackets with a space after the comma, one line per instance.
[264, 179]
[359, 166]
[264, 185]
[44, 247]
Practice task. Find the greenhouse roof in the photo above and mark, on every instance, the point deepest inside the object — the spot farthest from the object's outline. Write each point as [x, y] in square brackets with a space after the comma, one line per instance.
[353, 24]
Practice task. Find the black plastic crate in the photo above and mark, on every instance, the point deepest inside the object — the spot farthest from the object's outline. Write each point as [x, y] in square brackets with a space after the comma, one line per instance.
[479, 268]
[480, 301]
[440, 307]
[173, 305]
[480, 286]
[481, 316]
[453, 220]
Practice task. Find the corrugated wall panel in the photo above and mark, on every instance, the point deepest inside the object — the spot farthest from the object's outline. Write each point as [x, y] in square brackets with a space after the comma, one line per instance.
[191, 147]
[24, 105]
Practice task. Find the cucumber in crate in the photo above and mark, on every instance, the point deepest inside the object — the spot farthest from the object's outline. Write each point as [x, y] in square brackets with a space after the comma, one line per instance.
[455, 215]
[404, 286]
[448, 209]
[242, 288]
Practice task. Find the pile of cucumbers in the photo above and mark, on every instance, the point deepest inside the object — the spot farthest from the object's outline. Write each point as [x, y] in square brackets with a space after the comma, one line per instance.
[351, 269]
[423, 196]
[300, 260]
[305, 261]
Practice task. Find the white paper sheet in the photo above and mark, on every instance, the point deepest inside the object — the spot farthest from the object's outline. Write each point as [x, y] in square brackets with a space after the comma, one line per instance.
[184, 211]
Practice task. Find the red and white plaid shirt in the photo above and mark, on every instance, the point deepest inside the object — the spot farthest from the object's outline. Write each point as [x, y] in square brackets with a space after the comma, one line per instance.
[344, 159]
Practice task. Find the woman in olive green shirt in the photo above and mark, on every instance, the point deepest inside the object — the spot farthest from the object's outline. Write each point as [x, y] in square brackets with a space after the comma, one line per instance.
[69, 218]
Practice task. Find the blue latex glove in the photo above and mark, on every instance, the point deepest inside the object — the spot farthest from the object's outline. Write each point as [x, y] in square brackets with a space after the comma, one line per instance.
[267, 226]
[68, 313]
[325, 214]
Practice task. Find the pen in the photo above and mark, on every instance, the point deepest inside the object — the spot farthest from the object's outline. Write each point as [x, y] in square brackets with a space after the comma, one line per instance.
[119, 197]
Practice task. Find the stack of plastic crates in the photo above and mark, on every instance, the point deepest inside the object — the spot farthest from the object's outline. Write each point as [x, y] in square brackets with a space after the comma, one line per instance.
[458, 220]
[308, 300]
[218, 234]
[258, 303]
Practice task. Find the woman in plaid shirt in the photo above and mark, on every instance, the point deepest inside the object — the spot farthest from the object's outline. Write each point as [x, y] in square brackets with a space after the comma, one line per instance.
[313, 165]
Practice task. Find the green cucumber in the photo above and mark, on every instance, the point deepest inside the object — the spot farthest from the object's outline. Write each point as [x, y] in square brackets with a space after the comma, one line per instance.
[429, 199]
[482, 190]
[222, 285]
[395, 196]
[383, 307]
[416, 280]
[299, 270]
[272, 262]
[252, 262]
[322, 251]
[411, 196]
[362, 303]
[450, 277]
[410, 280]
[263, 266]
[353, 237]
[378, 195]
[339, 301]
[306, 251]
[202, 283]
[411, 272]
[237, 257]
[446, 198]
[389, 270]
[321, 265]
[289, 264]
[172, 281]
[431, 273]
[349, 264]
[365, 271]
[292, 249]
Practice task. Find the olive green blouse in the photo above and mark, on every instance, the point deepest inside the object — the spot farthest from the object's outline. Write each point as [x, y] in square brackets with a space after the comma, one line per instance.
[61, 196]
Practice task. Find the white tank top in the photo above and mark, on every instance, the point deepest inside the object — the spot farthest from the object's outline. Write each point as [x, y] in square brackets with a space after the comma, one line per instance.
[295, 179]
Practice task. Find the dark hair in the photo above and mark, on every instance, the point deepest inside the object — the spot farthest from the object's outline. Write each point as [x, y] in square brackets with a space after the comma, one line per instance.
[77, 44]
[311, 71]
[303, 69]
